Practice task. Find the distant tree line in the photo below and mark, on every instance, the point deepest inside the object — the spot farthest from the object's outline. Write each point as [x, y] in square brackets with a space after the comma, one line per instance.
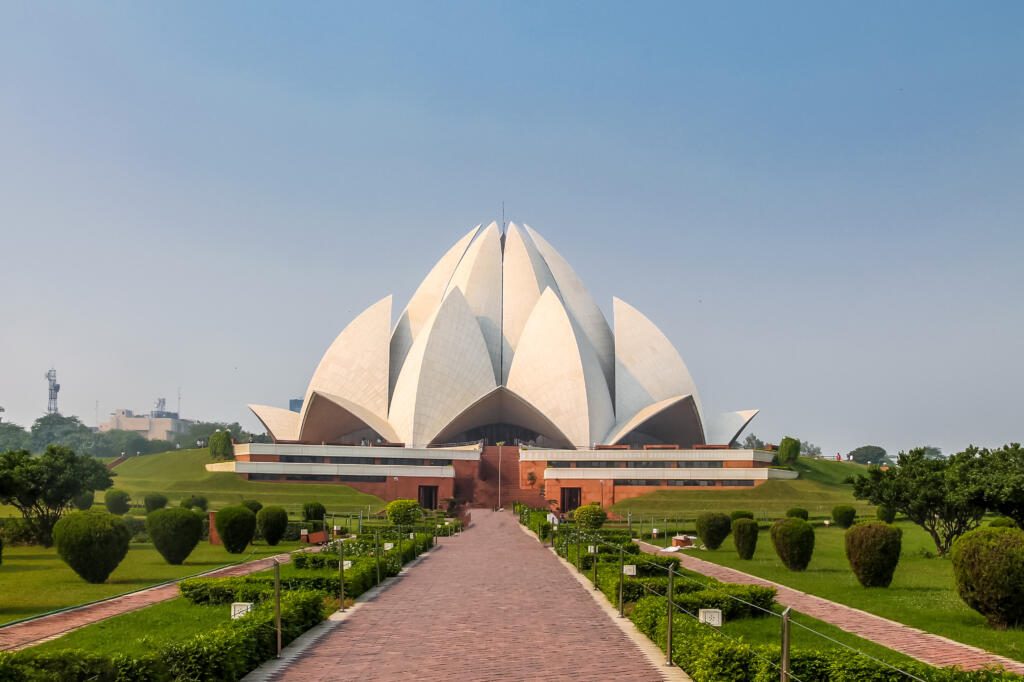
[70, 432]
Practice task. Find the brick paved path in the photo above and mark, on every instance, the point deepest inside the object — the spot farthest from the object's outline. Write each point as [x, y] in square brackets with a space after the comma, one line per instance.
[21, 635]
[489, 604]
[924, 646]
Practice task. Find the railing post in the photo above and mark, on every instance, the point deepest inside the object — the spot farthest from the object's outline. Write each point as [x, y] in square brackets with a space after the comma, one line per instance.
[784, 667]
[376, 552]
[671, 608]
[579, 550]
[622, 579]
[594, 558]
[277, 603]
[341, 572]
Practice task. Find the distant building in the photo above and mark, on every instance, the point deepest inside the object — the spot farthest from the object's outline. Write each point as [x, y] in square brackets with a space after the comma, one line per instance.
[295, 405]
[159, 424]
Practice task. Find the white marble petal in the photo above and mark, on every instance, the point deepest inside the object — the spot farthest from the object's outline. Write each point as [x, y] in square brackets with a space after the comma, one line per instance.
[525, 277]
[726, 427]
[280, 424]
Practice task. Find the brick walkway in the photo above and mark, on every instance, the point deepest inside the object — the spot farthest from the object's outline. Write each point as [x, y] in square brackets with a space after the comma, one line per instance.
[924, 646]
[21, 635]
[489, 604]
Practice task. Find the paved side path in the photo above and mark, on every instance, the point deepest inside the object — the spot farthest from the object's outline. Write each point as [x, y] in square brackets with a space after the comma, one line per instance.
[924, 646]
[36, 631]
[489, 604]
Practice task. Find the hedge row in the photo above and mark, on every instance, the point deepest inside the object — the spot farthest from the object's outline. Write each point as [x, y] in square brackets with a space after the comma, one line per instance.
[708, 656]
[227, 653]
[358, 579]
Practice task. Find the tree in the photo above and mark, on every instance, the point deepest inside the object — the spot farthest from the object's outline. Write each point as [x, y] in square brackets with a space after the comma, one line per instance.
[794, 542]
[315, 511]
[789, 450]
[873, 550]
[937, 495]
[988, 564]
[84, 501]
[253, 505]
[403, 512]
[999, 477]
[236, 527]
[744, 536]
[42, 488]
[869, 454]
[843, 515]
[175, 532]
[590, 516]
[56, 429]
[13, 437]
[932, 452]
[809, 449]
[713, 528]
[221, 447]
[752, 442]
[92, 543]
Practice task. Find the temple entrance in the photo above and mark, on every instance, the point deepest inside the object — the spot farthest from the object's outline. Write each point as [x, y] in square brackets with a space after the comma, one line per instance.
[428, 496]
[570, 499]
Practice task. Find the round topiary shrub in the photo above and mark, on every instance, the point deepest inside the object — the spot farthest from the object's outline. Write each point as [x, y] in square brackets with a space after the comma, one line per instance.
[83, 501]
[794, 542]
[797, 513]
[154, 501]
[174, 532]
[744, 536]
[117, 502]
[272, 523]
[844, 515]
[92, 543]
[741, 515]
[252, 505]
[403, 512]
[590, 516]
[1002, 522]
[194, 502]
[313, 511]
[885, 513]
[236, 526]
[988, 564]
[713, 528]
[873, 550]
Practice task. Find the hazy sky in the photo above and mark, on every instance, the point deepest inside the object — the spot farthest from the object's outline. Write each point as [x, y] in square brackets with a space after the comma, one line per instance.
[821, 204]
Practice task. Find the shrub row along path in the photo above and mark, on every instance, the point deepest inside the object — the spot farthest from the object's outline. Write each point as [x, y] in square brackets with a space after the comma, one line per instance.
[924, 646]
[43, 628]
[489, 604]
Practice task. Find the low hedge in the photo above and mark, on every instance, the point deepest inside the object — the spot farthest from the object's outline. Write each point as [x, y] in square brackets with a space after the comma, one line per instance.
[756, 600]
[218, 591]
[226, 653]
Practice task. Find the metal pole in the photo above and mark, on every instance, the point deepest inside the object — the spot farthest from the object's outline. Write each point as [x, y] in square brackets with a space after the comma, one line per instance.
[622, 586]
[401, 557]
[277, 603]
[341, 572]
[376, 552]
[671, 608]
[579, 550]
[594, 558]
[784, 669]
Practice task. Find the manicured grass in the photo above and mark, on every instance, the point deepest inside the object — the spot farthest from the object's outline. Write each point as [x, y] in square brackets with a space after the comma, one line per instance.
[181, 473]
[137, 632]
[819, 488]
[35, 580]
[922, 595]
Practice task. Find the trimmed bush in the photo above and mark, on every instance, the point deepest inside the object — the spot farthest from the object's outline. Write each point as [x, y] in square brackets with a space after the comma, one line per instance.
[713, 529]
[988, 564]
[797, 513]
[403, 512]
[252, 505]
[195, 502]
[272, 523]
[236, 526]
[92, 543]
[844, 515]
[744, 536]
[873, 550]
[590, 516]
[84, 501]
[174, 532]
[117, 501]
[1002, 522]
[885, 513]
[794, 542]
[154, 501]
[313, 511]
[741, 515]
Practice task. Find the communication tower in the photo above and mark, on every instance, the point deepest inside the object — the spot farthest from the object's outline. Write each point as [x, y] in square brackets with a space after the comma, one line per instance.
[51, 377]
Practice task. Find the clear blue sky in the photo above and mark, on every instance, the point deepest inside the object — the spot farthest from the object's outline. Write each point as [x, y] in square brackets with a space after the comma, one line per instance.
[821, 204]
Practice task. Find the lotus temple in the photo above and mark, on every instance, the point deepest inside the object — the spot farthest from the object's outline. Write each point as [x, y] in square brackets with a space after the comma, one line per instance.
[502, 380]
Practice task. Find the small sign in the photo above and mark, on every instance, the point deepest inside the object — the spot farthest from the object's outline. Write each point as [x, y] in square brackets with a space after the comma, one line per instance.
[347, 565]
[337, 529]
[304, 531]
[388, 546]
[711, 617]
[591, 549]
[447, 523]
[412, 536]
[629, 569]
[654, 532]
[240, 608]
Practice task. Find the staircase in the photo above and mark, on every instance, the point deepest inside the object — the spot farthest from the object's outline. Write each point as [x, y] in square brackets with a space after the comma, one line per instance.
[486, 493]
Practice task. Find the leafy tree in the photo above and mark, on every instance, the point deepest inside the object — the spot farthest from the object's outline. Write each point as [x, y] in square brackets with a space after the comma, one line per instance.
[200, 432]
[988, 564]
[117, 501]
[236, 527]
[885, 513]
[932, 452]
[873, 550]
[713, 528]
[935, 494]
[221, 447]
[590, 516]
[744, 536]
[869, 454]
[56, 429]
[194, 502]
[13, 437]
[84, 501]
[999, 478]
[752, 442]
[154, 501]
[401, 512]
[789, 450]
[272, 523]
[809, 449]
[41, 488]
[92, 543]
[175, 533]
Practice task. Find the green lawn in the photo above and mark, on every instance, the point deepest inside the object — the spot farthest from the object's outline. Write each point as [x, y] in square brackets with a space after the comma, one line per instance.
[35, 580]
[923, 593]
[180, 473]
[819, 488]
[136, 633]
